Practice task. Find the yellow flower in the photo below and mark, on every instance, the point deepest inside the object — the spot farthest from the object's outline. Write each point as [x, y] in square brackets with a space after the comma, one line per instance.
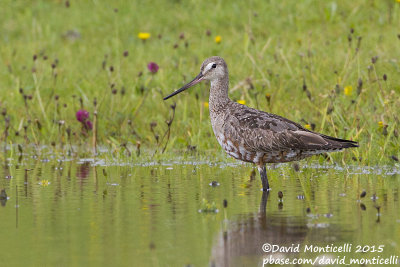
[348, 90]
[218, 39]
[307, 126]
[398, 1]
[205, 104]
[380, 124]
[243, 102]
[44, 182]
[144, 35]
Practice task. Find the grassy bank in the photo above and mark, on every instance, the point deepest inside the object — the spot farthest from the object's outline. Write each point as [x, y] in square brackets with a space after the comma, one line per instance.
[332, 66]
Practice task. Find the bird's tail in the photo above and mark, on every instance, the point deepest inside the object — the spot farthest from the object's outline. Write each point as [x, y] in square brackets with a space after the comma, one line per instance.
[340, 143]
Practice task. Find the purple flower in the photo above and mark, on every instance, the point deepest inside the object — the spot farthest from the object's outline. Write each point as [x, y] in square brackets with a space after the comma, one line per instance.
[89, 125]
[153, 67]
[82, 115]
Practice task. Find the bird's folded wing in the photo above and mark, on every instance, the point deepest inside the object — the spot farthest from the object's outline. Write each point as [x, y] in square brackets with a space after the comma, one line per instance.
[261, 131]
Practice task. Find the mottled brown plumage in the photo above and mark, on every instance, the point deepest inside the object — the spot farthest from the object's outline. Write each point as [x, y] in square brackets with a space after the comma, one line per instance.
[255, 136]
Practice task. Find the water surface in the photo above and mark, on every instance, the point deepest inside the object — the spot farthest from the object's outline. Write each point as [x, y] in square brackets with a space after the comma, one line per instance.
[85, 212]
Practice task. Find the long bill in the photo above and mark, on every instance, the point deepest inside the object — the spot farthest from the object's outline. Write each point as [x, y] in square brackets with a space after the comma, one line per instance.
[196, 80]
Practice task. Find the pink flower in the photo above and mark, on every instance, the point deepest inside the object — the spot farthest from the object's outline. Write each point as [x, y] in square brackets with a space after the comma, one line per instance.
[89, 125]
[153, 67]
[82, 115]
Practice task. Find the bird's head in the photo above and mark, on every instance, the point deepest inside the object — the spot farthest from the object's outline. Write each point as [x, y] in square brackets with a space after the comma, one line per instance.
[212, 69]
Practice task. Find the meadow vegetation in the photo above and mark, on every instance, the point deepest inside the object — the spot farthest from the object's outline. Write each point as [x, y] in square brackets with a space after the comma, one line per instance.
[332, 66]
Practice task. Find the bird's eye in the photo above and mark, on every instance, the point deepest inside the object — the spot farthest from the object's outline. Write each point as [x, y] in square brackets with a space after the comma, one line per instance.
[214, 66]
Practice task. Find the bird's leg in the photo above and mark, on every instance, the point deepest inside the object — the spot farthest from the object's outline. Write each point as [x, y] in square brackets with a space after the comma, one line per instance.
[263, 203]
[264, 179]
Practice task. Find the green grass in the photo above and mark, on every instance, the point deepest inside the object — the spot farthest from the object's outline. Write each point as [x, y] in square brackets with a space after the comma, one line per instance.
[271, 47]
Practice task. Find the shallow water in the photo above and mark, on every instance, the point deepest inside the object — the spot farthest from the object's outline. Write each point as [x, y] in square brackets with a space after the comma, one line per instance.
[84, 212]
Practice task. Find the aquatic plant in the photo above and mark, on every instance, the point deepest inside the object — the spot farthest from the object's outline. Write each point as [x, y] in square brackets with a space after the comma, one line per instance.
[208, 207]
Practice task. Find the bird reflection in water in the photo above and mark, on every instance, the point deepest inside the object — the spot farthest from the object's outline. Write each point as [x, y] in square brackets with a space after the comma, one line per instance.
[241, 243]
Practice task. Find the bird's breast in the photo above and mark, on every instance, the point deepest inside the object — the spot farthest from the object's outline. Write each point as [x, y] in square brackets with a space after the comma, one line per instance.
[233, 149]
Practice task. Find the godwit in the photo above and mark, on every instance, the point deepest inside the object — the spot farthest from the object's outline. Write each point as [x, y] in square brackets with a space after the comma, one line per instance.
[255, 136]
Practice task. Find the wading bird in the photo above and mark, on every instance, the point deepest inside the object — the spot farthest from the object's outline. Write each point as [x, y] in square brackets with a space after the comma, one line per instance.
[255, 136]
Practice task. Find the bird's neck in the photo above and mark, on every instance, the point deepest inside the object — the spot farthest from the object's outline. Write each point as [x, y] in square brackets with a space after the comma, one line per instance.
[218, 94]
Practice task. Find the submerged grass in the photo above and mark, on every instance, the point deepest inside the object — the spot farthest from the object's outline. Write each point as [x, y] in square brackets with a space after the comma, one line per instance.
[331, 66]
